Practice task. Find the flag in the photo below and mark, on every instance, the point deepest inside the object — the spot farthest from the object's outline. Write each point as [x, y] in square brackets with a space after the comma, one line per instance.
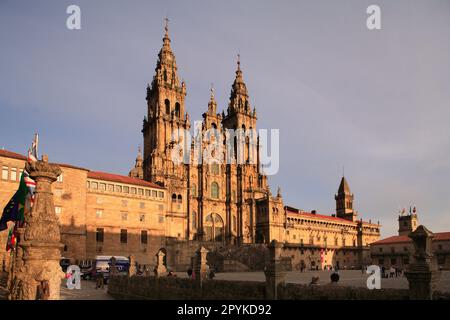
[11, 242]
[22, 201]
[14, 210]
[34, 146]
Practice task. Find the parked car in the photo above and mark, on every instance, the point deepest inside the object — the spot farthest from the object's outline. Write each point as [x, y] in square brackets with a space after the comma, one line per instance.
[103, 264]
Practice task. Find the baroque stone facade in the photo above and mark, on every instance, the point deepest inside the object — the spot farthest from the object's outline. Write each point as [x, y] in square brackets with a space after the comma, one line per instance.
[176, 207]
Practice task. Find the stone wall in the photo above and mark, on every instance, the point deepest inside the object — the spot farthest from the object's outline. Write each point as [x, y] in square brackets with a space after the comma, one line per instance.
[150, 288]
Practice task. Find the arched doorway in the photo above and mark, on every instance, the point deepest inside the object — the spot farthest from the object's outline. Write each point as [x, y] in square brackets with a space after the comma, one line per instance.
[213, 227]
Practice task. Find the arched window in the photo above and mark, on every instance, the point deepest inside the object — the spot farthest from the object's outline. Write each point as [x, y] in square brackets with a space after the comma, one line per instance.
[180, 198]
[250, 181]
[215, 190]
[194, 220]
[177, 109]
[174, 197]
[167, 103]
[215, 169]
[194, 190]
[165, 75]
[213, 227]
[214, 125]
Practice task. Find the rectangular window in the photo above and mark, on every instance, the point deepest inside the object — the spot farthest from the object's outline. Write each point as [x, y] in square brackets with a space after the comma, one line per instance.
[58, 210]
[99, 235]
[13, 176]
[147, 193]
[94, 185]
[144, 236]
[118, 188]
[5, 173]
[102, 186]
[142, 217]
[124, 216]
[406, 260]
[154, 193]
[161, 218]
[133, 190]
[60, 178]
[161, 207]
[123, 236]
[124, 203]
[110, 187]
[161, 194]
[98, 213]
[141, 192]
[142, 205]
[126, 189]
[301, 242]
[393, 261]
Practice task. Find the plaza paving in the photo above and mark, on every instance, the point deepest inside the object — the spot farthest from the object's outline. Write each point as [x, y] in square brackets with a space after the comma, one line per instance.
[87, 292]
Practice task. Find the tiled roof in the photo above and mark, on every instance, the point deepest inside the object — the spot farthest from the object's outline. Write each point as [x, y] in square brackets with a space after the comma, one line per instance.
[14, 155]
[10, 154]
[438, 236]
[317, 216]
[121, 179]
[320, 216]
[91, 174]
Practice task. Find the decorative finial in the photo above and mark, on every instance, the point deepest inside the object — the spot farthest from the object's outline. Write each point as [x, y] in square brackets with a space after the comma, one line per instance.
[239, 61]
[139, 150]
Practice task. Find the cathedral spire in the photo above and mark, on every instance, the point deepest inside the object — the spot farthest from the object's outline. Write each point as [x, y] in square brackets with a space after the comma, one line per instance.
[239, 96]
[166, 67]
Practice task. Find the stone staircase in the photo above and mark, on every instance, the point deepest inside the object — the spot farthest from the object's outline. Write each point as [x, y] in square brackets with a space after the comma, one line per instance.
[231, 258]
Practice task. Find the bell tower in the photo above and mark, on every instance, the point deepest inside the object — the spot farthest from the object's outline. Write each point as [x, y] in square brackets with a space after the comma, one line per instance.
[344, 202]
[166, 117]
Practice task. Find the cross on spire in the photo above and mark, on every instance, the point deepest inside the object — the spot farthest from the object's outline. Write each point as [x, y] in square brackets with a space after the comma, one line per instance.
[166, 25]
[211, 89]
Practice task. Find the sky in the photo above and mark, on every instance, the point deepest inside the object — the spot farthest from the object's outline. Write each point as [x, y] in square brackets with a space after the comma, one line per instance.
[373, 101]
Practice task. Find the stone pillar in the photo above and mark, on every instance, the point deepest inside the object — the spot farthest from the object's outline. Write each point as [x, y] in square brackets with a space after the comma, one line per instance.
[423, 273]
[39, 266]
[274, 271]
[160, 269]
[201, 268]
[132, 268]
[113, 268]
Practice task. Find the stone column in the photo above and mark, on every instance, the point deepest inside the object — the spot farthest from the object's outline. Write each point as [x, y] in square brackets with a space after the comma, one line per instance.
[41, 241]
[423, 273]
[113, 268]
[274, 271]
[160, 269]
[201, 267]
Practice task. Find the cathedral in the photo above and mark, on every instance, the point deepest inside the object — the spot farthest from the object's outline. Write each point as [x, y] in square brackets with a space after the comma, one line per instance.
[223, 198]
[187, 190]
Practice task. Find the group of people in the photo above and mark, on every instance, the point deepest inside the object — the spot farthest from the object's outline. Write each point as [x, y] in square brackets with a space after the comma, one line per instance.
[191, 274]
[391, 272]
